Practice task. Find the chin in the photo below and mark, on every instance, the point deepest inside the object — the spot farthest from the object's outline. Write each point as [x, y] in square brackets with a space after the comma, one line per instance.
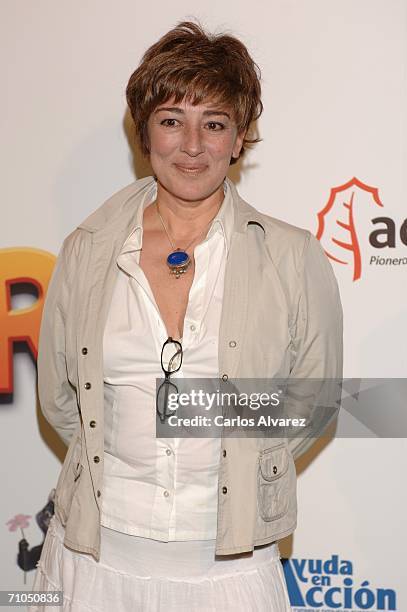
[190, 188]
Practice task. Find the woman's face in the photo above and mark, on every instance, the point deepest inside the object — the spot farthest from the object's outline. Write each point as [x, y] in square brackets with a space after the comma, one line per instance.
[191, 147]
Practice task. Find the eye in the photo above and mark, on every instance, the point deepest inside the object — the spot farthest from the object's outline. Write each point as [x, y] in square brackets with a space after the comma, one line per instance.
[217, 126]
[166, 124]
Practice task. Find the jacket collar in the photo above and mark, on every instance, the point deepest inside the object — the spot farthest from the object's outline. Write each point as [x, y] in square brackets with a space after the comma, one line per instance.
[118, 213]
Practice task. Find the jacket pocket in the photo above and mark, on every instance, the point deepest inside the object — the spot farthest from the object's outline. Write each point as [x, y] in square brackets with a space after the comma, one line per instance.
[272, 483]
[68, 478]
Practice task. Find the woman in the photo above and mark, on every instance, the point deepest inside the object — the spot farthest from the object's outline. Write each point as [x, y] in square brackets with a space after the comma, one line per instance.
[176, 273]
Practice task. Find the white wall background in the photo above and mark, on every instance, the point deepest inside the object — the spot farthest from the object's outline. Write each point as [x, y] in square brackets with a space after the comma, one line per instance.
[335, 94]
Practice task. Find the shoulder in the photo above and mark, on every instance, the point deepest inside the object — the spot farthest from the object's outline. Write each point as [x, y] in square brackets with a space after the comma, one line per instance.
[113, 206]
[299, 257]
[283, 235]
[285, 244]
[280, 237]
[293, 247]
[294, 251]
[104, 217]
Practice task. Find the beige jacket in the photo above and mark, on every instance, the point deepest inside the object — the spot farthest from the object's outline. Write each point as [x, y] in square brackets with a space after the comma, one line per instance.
[281, 317]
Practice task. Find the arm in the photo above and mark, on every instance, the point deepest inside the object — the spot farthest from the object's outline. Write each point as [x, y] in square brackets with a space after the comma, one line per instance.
[57, 396]
[319, 344]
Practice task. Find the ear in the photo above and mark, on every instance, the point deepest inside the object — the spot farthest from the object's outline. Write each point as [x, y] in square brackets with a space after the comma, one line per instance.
[237, 147]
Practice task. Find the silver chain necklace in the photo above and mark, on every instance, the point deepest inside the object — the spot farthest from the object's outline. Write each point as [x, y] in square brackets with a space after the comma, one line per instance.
[178, 260]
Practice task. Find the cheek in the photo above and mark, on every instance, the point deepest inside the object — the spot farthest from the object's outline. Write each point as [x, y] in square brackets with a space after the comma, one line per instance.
[161, 143]
[164, 154]
[221, 148]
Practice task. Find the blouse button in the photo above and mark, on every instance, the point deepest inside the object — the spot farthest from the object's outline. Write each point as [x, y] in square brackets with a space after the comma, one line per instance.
[225, 377]
[96, 459]
[232, 343]
[224, 490]
[92, 424]
[87, 385]
[166, 493]
[84, 350]
[98, 493]
[168, 451]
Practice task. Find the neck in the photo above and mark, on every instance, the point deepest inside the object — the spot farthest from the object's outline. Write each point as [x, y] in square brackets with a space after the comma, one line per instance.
[184, 218]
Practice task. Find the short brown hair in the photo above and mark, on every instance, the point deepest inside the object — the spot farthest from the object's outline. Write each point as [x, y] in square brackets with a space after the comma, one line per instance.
[189, 63]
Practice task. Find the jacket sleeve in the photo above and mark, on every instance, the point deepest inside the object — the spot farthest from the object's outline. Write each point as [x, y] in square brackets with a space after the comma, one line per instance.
[56, 394]
[316, 375]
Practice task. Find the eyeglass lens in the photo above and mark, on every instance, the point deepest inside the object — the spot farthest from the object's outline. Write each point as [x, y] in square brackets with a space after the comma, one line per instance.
[171, 358]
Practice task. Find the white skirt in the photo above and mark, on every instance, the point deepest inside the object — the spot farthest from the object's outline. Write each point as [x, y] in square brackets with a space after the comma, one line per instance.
[141, 574]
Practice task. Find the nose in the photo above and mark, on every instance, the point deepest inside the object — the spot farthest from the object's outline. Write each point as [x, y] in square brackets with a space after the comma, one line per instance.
[192, 141]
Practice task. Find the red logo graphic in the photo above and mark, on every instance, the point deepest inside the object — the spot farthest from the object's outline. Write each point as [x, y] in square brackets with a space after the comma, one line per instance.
[342, 245]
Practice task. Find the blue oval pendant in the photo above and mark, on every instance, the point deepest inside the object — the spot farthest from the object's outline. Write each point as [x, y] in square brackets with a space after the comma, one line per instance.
[177, 258]
[178, 262]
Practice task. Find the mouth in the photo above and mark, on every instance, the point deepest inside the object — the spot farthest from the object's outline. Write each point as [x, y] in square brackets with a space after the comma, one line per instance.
[190, 170]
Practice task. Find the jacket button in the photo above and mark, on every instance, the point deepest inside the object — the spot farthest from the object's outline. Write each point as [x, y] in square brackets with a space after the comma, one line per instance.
[98, 493]
[87, 385]
[224, 453]
[96, 459]
[274, 469]
[224, 377]
[92, 424]
[84, 351]
[232, 343]
[224, 490]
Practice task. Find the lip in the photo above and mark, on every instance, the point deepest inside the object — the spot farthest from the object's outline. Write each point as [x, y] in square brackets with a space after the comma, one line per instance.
[190, 169]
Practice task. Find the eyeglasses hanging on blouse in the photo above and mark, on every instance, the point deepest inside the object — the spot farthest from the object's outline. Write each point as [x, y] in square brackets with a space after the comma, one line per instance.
[171, 361]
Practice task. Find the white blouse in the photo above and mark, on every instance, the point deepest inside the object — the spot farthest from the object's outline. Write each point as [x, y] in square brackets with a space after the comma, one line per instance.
[160, 488]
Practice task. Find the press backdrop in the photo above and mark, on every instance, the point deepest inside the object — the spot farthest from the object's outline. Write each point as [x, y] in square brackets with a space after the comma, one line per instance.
[334, 133]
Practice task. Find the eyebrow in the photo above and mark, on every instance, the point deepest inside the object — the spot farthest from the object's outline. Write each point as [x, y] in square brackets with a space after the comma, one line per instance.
[176, 109]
